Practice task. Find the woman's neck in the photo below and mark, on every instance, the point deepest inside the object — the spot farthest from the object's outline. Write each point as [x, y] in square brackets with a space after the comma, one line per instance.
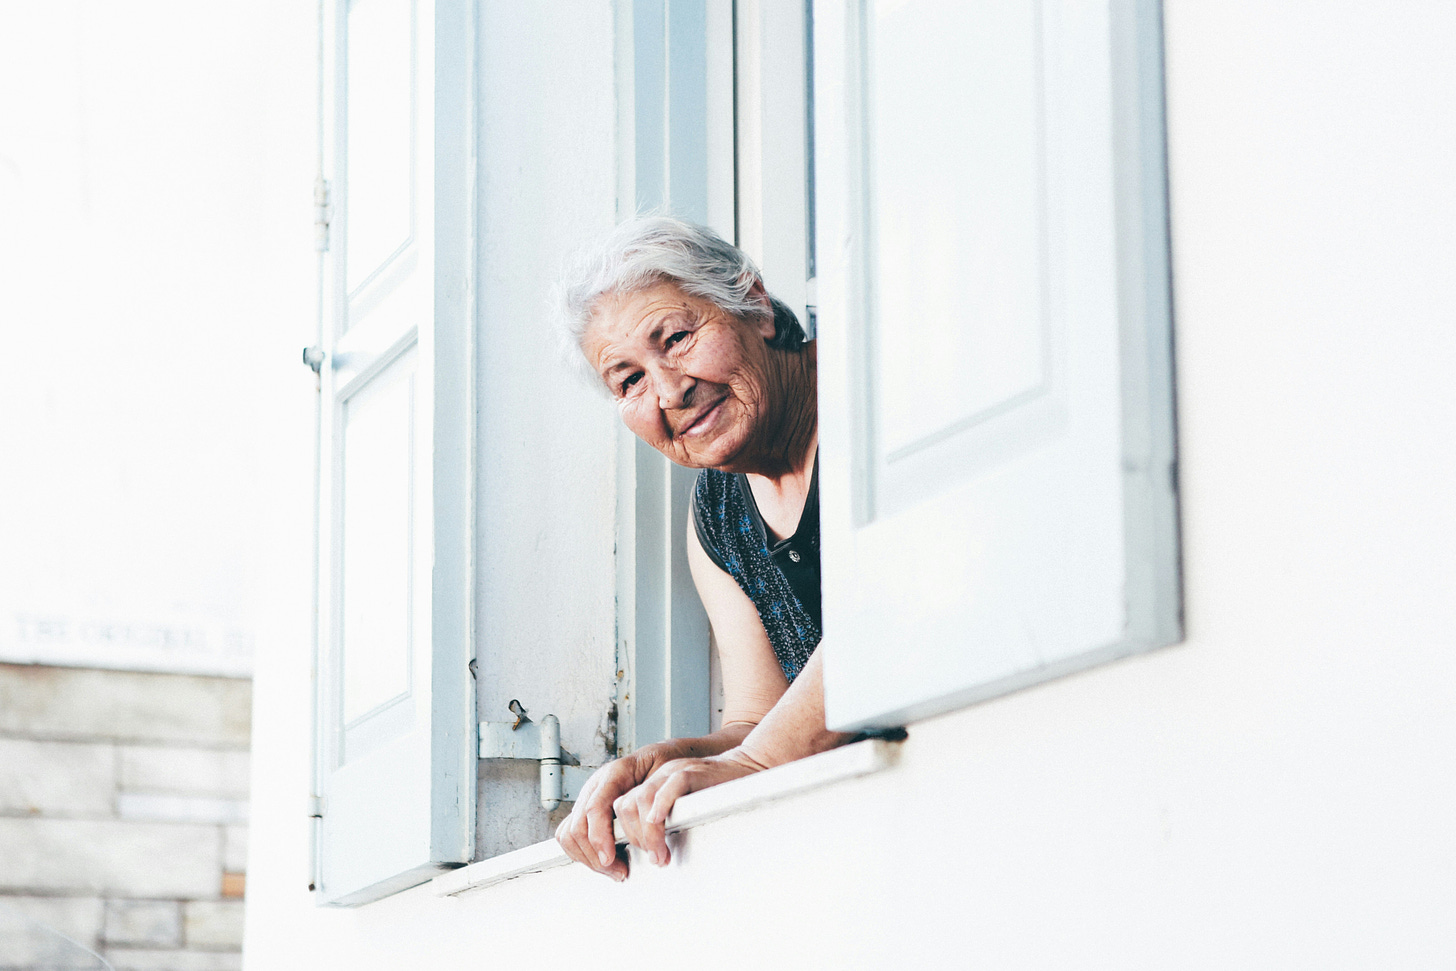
[786, 457]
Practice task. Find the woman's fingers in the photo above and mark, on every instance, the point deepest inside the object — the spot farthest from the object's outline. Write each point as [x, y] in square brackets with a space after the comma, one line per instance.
[653, 827]
[650, 804]
[568, 838]
[598, 815]
[586, 834]
[673, 788]
[669, 784]
[632, 810]
[587, 841]
[628, 812]
[642, 808]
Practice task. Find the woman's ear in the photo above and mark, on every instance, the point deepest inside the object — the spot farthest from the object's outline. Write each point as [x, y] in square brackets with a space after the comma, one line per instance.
[768, 323]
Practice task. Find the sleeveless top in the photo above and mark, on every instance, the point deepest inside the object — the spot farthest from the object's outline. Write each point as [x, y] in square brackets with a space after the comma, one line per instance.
[782, 579]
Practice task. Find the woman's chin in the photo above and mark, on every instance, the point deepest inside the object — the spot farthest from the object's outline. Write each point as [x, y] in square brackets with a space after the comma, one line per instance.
[713, 454]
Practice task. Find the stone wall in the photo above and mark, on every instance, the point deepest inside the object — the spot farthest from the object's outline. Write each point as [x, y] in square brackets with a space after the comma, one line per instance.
[123, 819]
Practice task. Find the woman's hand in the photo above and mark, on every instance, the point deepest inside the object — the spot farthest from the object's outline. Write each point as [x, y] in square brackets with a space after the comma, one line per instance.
[586, 835]
[641, 788]
[793, 729]
[644, 810]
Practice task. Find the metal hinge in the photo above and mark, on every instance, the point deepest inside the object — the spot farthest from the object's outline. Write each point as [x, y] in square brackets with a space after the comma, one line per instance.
[323, 213]
[562, 774]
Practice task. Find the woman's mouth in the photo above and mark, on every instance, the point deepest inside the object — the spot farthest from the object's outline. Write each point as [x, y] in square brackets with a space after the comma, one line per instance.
[704, 420]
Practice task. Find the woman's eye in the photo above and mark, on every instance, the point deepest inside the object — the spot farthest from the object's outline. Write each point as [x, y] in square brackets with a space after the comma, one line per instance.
[630, 380]
[680, 335]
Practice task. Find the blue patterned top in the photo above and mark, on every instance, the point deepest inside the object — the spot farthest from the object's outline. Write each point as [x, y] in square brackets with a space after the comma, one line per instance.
[781, 579]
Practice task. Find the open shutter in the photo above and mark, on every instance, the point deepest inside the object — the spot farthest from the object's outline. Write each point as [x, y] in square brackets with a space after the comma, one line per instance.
[773, 146]
[395, 740]
[997, 465]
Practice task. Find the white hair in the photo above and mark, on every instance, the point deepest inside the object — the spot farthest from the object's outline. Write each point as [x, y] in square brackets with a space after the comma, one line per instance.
[643, 252]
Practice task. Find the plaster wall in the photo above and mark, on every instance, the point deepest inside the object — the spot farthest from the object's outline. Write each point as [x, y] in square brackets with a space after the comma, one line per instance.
[547, 452]
[1273, 792]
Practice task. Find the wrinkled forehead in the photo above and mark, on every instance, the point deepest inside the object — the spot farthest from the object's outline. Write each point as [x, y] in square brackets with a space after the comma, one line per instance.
[621, 320]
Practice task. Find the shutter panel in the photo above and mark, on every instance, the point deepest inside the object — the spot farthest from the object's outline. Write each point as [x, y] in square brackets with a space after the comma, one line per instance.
[772, 146]
[395, 741]
[996, 409]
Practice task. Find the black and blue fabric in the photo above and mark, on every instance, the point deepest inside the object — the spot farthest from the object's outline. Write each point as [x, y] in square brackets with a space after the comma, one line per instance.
[782, 579]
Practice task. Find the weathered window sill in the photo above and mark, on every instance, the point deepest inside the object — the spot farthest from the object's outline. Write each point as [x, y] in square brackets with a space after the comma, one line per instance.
[694, 809]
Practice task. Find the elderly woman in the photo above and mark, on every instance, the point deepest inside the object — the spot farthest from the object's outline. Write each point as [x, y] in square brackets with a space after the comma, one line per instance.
[716, 374]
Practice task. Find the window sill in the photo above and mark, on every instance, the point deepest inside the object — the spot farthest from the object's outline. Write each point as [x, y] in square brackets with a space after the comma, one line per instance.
[694, 809]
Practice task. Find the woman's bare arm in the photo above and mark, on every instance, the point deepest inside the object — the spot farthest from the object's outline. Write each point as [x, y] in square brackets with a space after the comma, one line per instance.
[789, 729]
[753, 683]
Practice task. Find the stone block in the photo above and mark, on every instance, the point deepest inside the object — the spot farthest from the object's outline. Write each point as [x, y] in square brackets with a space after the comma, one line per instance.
[171, 808]
[235, 849]
[110, 857]
[56, 778]
[146, 923]
[82, 704]
[234, 885]
[213, 924]
[128, 959]
[192, 771]
[49, 933]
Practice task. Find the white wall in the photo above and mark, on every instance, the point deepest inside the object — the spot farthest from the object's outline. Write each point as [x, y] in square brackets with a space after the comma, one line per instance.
[1276, 791]
[156, 286]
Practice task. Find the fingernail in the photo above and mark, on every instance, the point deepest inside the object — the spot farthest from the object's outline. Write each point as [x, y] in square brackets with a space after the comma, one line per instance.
[656, 860]
[605, 857]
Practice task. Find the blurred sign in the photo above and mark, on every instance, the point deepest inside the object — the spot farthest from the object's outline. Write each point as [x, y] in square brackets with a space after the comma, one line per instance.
[182, 643]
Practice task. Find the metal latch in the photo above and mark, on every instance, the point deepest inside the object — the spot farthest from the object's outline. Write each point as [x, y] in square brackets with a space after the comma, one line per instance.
[314, 357]
[562, 774]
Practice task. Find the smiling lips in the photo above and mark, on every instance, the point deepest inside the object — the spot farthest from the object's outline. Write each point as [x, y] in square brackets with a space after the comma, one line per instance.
[703, 419]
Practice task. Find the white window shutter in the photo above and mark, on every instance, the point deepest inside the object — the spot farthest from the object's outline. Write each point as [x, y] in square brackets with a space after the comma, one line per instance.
[996, 405]
[772, 146]
[395, 743]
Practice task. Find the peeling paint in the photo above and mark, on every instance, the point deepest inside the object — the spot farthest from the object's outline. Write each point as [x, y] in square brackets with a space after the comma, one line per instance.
[607, 730]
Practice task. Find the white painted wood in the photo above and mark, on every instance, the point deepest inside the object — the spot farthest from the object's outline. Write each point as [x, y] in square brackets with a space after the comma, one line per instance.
[395, 733]
[773, 194]
[780, 782]
[380, 454]
[536, 858]
[995, 382]
[379, 133]
[546, 441]
[956, 220]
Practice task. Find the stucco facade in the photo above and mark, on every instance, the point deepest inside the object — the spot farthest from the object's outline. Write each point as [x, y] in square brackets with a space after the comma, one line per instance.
[1274, 791]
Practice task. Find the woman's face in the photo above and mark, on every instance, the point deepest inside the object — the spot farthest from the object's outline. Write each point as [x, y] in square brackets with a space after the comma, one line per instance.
[689, 379]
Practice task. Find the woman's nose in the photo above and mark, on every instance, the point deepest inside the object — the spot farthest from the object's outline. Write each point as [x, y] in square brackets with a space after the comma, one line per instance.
[674, 390]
